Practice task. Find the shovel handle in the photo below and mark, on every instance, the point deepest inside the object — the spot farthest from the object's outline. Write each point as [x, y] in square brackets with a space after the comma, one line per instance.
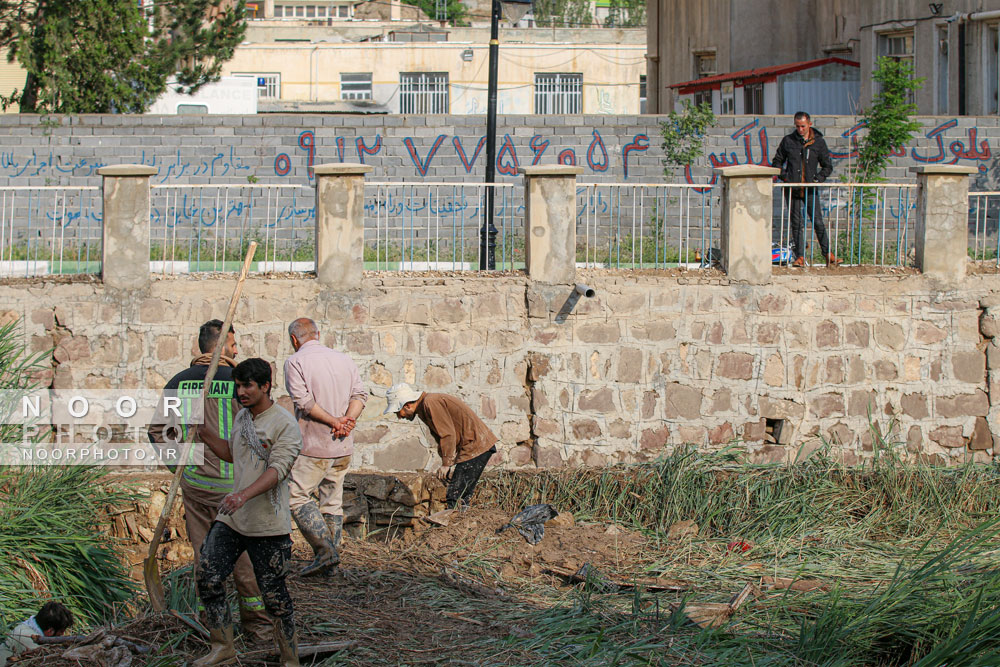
[158, 600]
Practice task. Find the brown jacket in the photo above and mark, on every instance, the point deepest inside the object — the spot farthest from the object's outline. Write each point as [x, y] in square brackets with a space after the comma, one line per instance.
[460, 434]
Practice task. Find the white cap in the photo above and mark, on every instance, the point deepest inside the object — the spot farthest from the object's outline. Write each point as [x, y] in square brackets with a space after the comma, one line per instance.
[398, 396]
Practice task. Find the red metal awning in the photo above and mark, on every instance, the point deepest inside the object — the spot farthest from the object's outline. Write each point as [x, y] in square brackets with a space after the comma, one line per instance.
[756, 75]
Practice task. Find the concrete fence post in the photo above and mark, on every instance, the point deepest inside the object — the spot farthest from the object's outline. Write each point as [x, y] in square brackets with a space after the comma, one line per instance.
[747, 195]
[125, 243]
[942, 226]
[550, 222]
[340, 224]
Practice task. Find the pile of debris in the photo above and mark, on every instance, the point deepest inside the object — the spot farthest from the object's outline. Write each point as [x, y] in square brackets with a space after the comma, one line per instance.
[389, 503]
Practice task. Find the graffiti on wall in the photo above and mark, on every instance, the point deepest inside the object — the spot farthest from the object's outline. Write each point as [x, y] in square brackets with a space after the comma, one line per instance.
[219, 165]
[753, 148]
[600, 152]
[509, 156]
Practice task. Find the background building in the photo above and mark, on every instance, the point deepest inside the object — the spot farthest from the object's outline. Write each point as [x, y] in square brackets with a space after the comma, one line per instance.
[954, 45]
[692, 39]
[540, 71]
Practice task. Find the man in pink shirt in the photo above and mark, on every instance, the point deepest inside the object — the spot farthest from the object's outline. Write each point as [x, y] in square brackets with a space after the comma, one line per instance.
[326, 388]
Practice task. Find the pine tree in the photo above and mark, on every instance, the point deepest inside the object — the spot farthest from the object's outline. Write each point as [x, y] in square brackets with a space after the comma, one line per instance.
[626, 14]
[457, 12]
[889, 121]
[113, 56]
[562, 13]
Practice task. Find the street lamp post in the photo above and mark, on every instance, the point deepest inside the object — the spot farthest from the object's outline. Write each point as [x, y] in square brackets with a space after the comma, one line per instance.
[515, 9]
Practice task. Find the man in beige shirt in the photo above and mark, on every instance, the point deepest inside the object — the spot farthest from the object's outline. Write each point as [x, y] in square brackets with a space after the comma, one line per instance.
[254, 518]
[465, 443]
[204, 486]
[328, 394]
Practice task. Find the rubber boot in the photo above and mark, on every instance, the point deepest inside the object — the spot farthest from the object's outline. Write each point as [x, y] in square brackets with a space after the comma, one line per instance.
[222, 651]
[255, 623]
[335, 522]
[288, 649]
[314, 529]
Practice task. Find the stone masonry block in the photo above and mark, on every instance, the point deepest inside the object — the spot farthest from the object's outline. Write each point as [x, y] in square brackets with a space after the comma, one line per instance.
[735, 365]
[962, 405]
[682, 402]
[827, 405]
[890, 335]
[599, 400]
[969, 366]
[775, 408]
[827, 334]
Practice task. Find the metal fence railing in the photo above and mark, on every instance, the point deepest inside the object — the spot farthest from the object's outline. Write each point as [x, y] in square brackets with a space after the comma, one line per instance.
[984, 227]
[47, 230]
[646, 225]
[197, 228]
[436, 226]
[865, 223]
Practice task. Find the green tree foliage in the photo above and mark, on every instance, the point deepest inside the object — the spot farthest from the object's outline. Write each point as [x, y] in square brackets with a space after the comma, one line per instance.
[562, 13]
[626, 14]
[684, 135]
[107, 56]
[458, 13]
[888, 121]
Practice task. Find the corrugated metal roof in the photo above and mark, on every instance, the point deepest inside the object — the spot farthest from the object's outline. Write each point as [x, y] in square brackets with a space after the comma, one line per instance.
[756, 75]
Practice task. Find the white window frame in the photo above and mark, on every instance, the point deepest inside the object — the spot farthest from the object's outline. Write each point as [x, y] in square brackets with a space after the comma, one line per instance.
[558, 92]
[271, 90]
[750, 89]
[727, 98]
[424, 93]
[356, 85]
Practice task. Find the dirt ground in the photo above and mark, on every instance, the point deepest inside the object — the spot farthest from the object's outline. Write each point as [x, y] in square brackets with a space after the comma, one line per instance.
[419, 598]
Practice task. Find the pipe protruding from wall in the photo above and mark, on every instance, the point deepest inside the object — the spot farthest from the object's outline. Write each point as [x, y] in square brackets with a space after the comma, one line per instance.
[585, 290]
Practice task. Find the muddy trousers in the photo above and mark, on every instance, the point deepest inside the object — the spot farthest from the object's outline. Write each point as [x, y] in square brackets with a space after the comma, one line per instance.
[464, 478]
[798, 207]
[271, 557]
[200, 509]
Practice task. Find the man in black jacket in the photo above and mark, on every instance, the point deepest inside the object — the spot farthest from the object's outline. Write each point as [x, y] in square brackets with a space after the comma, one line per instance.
[803, 157]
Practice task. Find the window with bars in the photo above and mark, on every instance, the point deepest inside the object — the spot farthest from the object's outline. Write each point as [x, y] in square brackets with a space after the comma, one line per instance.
[268, 85]
[423, 92]
[356, 85]
[312, 11]
[642, 93]
[558, 93]
[899, 47]
[753, 98]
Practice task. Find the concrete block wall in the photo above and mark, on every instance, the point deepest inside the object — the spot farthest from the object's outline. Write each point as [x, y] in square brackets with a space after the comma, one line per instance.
[281, 148]
[649, 363]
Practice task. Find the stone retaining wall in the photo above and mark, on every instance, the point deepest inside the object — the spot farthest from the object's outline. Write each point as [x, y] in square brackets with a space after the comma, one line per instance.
[651, 362]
